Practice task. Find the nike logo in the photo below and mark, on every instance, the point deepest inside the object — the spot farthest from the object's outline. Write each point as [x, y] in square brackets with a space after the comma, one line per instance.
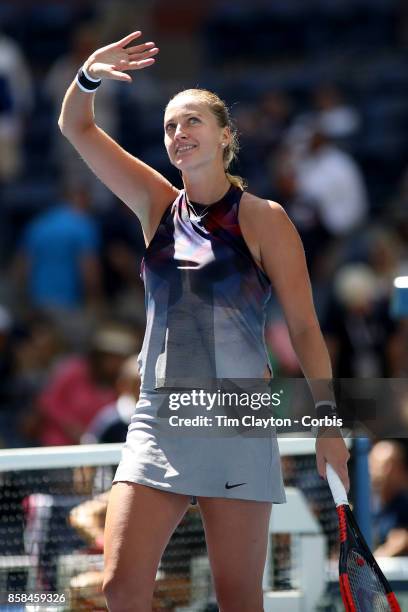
[228, 486]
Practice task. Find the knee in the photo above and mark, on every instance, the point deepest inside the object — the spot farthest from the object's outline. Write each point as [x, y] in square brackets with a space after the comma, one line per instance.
[125, 596]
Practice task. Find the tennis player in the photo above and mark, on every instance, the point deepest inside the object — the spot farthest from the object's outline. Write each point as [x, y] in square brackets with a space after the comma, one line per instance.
[213, 253]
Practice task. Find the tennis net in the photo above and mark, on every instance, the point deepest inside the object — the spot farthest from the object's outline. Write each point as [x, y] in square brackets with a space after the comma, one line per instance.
[52, 509]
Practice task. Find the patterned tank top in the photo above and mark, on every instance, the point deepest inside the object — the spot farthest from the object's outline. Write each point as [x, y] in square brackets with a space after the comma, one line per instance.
[205, 299]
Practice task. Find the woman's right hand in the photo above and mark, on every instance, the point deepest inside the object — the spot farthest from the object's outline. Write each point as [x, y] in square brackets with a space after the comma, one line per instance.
[112, 61]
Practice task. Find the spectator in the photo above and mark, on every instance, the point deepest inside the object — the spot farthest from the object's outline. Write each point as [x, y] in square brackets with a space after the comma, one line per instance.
[385, 256]
[37, 349]
[16, 99]
[337, 118]
[58, 257]
[333, 179]
[358, 327]
[388, 466]
[111, 423]
[81, 387]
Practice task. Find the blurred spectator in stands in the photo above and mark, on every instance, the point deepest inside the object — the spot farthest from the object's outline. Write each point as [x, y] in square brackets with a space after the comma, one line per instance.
[16, 99]
[37, 348]
[388, 464]
[336, 118]
[358, 329]
[57, 263]
[82, 386]
[385, 256]
[333, 179]
[111, 423]
[85, 38]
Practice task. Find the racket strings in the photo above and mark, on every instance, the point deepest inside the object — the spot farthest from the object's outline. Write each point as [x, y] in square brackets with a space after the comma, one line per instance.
[368, 592]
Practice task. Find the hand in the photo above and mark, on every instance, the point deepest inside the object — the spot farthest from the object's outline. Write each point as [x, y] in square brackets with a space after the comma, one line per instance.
[331, 448]
[111, 61]
[395, 544]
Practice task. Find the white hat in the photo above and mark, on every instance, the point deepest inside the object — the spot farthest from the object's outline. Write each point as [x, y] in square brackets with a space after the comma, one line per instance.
[356, 284]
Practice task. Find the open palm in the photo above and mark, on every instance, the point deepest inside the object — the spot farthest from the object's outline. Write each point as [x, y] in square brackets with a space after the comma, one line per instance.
[112, 61]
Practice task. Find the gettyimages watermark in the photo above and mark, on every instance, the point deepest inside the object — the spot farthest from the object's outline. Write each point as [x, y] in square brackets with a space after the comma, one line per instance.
[253, 401]
[208, 400]
[374, 408]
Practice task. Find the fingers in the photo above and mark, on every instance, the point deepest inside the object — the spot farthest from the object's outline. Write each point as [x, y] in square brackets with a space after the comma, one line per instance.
[141, 64]
[342, 472]
[119, 76]
[139, 48]
[127, 39]
[137, 62]
[143, 54]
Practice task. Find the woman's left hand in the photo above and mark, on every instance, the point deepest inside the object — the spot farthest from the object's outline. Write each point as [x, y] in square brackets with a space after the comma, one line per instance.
[331, 448]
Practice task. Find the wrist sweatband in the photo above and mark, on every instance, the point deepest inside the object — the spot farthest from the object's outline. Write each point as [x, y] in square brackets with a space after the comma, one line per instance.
[85, 82]
[326, 408]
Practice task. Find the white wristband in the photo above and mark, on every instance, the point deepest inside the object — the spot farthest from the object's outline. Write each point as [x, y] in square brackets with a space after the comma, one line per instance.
[88, 76]
[86, 83]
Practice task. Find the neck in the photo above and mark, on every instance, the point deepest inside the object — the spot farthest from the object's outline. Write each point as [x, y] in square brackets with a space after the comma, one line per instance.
[206, 190]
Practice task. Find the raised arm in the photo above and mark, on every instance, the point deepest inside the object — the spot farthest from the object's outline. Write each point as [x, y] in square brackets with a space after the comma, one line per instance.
[141, 187]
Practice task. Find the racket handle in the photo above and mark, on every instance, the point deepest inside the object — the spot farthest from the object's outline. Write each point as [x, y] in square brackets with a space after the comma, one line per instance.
[336, 486]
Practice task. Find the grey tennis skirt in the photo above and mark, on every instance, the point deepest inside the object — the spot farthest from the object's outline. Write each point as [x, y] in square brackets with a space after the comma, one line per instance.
[210, 458]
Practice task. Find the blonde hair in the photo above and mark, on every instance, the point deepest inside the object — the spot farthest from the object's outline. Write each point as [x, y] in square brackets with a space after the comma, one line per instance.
[222, 114]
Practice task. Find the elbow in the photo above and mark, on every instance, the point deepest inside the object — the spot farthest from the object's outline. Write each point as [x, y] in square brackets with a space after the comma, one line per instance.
[71, 132]
[61, 126]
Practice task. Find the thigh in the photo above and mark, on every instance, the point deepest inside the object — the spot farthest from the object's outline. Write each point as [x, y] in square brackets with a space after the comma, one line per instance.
[237, 537]
[139, 523]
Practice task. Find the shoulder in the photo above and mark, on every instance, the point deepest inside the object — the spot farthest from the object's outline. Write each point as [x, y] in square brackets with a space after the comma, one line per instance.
[261, 205]
[265, 214]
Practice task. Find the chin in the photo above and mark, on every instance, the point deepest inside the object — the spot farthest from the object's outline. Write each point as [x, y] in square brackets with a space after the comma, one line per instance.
[186, 164]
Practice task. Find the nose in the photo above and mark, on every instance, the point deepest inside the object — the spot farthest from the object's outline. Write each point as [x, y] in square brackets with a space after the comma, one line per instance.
[179, 133]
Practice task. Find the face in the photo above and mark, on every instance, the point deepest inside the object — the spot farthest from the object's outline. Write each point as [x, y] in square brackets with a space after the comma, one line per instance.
[192, 135]
[381, 465]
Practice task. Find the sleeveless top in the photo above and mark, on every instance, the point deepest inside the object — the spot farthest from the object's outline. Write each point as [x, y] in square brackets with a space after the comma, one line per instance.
[205, 299]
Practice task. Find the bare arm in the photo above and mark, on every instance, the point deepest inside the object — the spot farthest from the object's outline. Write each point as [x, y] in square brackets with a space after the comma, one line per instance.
[141, 187]
[283, 260]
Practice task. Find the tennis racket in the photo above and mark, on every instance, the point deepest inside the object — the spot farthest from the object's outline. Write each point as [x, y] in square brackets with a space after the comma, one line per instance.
[363, 586]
